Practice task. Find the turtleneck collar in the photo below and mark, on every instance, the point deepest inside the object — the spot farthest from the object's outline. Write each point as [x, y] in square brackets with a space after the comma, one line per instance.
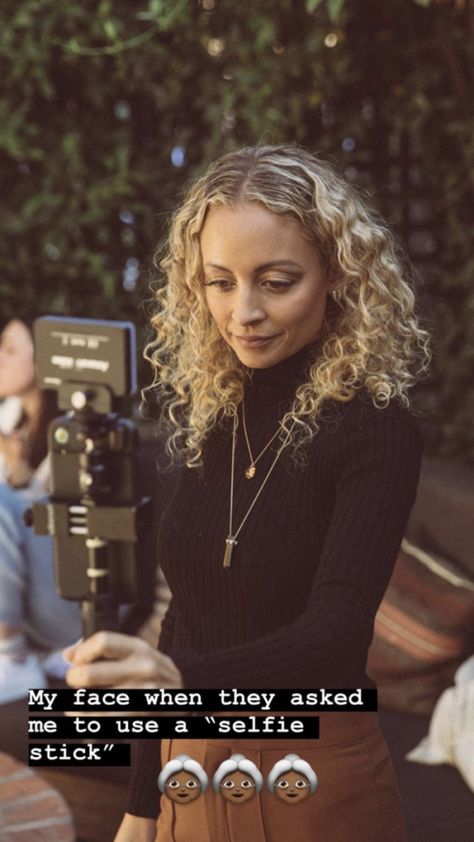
[288, 372]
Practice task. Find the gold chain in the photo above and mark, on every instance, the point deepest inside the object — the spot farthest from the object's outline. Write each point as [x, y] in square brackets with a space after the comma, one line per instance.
[250, 471]
[231, 539]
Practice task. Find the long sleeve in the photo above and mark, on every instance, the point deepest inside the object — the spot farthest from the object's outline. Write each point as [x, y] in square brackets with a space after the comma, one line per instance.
[12, 560]
[377, 469]
[143, 795]
[143, 798]
[298, 605]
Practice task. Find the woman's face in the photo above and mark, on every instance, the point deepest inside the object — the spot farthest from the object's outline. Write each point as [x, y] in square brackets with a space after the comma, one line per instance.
[292, 787]
[183, 787]
[17, 368]
[237, 787]
[264, 283]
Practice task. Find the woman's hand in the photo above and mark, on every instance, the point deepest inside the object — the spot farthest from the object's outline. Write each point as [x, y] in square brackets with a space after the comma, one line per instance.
[109, 659]
[14, 449]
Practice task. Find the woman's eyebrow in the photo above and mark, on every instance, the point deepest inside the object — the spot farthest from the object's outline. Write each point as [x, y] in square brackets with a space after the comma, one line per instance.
[269, 265]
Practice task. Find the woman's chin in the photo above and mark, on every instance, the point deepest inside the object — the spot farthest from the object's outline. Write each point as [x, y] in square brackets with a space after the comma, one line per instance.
[263, 354]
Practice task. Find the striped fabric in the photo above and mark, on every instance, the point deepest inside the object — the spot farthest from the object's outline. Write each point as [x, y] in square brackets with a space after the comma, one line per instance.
[424, 629]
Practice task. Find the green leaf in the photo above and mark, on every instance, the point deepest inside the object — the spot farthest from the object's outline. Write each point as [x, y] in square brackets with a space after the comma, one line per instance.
[110, 29]
[335, 8]
[312, 5]
[156, 7]
[104, 8]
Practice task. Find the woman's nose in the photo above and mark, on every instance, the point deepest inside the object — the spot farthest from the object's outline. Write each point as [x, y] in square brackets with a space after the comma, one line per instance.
[247, 307]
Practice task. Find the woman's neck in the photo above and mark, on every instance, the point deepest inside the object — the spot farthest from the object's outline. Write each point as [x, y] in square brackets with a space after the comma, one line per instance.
[287, 371]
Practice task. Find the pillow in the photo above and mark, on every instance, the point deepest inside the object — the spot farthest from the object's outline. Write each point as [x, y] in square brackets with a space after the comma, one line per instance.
[451, 734]
[424, 629]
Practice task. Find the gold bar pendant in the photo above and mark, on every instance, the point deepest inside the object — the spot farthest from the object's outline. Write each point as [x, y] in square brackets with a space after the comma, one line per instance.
[230, 544]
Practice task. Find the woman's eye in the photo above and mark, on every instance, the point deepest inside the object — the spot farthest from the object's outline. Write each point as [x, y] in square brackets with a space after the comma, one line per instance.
[278, 286]
[282, 784]
[173, 784]
[191, 784]
[300, 784]
[228, 784]
[246, 784]
[221, 284]
[225, 285]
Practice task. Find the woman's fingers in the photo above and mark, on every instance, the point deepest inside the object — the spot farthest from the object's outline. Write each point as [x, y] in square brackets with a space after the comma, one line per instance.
[114, 673]
[104, 644]
[110, 659]
[69, 651]
[102, 675]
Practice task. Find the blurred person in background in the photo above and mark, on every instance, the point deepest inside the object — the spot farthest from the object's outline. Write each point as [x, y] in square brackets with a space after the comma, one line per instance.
[34, 620]
[27, 411]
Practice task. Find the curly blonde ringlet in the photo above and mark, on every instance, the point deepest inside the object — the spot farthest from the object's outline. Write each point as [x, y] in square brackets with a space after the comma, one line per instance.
[371, 338]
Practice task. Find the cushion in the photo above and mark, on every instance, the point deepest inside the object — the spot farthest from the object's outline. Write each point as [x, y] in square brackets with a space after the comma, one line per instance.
[451, 731]
[424, 630]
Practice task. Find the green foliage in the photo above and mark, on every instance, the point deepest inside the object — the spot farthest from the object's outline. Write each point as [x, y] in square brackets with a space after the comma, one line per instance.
[334, 9]
[98, 100]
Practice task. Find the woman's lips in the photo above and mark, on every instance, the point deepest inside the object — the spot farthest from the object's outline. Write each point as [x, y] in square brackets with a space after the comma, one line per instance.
[254, 341]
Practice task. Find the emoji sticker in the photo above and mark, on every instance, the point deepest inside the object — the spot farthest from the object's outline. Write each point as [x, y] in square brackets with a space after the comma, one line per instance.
[292, 779]
[183, 779]
[237, 779]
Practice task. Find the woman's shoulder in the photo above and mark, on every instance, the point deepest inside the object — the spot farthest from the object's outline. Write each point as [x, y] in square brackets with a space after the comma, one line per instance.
[362, 408]
[360, 418]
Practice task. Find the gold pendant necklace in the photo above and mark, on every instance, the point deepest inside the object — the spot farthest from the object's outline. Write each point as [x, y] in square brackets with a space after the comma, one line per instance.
[251, 470]
[231, 540]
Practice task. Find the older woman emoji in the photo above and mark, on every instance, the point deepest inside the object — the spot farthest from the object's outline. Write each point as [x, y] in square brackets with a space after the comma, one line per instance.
[183, 779]
[292, 779]
[237, 779]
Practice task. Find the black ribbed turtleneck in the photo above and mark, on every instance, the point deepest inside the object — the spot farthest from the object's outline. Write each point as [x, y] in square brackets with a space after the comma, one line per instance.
[287, 372]
[313, 560]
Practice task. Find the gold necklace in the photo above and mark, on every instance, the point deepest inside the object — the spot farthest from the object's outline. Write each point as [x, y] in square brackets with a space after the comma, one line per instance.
[231, 539]
[250, 471]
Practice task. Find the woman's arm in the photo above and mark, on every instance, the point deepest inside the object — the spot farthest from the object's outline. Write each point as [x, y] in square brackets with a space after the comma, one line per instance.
[136, 829]
[14, 449]
[13, 572]
[108, 659]
[376, 467]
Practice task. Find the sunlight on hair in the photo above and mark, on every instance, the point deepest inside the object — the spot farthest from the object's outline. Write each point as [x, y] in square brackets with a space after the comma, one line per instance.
[371, 336]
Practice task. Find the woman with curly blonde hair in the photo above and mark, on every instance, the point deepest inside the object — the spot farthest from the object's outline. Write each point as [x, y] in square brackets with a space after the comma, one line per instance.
[286, 344]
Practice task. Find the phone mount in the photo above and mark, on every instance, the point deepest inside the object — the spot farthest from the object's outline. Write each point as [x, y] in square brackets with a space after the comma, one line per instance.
[94, 513]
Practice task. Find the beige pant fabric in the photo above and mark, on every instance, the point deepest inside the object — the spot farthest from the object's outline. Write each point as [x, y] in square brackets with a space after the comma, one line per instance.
[356, 800]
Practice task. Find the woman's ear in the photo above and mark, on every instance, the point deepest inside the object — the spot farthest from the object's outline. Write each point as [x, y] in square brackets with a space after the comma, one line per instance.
[334, 286]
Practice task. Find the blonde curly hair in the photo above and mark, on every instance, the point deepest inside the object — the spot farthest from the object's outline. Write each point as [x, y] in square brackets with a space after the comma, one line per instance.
[371, 338]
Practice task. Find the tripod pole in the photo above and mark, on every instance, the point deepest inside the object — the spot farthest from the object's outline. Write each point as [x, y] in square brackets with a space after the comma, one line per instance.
[98, 611]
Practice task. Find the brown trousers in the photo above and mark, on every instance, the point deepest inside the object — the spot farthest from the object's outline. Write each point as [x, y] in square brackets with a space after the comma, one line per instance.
[356, 800]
